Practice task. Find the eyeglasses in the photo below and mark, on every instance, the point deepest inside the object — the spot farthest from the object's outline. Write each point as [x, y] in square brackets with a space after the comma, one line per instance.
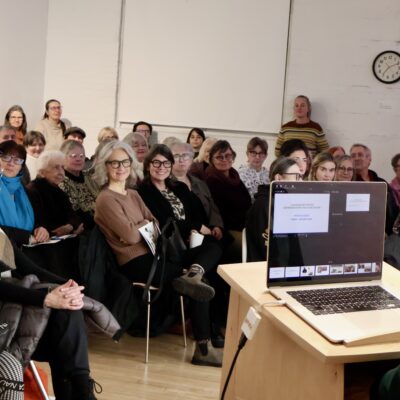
[158, 163]
[344, 169]
[143, 131]
[227, 157]
[257, 153]
[13, 159]
[295, 175]
[76, 156]
[115, 164]
[183, 156]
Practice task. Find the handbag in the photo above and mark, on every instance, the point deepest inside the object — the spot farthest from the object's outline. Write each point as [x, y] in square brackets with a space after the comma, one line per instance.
[4, 333]
[170, 247]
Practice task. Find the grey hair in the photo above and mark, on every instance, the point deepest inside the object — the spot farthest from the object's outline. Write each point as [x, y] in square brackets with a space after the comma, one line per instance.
[48, 157]
[132, 137]
[366, 148]
[188, 147]
[100, 170]
[69, 145]
[170, 140]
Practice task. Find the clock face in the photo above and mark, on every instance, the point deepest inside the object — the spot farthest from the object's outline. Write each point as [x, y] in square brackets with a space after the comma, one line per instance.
[386, 66]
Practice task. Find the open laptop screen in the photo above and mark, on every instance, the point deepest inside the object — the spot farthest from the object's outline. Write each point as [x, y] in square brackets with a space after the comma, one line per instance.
[325, 232]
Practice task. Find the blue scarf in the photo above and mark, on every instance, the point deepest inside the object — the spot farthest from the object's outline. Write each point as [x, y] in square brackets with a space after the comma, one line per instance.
[15, 208]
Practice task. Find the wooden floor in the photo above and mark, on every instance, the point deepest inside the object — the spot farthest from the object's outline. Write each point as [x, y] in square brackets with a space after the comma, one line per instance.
[169, 375]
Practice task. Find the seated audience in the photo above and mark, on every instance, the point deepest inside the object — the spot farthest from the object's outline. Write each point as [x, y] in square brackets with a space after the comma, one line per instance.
[53, 211]
[344, 169]
[254, 174]
[16, 119]
[82, 199]
[139, 145]
[169, 140]
[336, 152]
[7, 133]
[16, 213]
[395, 182]
[51, 205]
[282, 169]
[119, 214]
[323, 168]
[230, 195]
[303, 128]
[74, 133]
[361, 156]
[48, 325]
[195, 138]
[52, 126]
[145, 129]
[296, 150]
[107, 133]
[183, 156]
[201, 162]
[34, 143]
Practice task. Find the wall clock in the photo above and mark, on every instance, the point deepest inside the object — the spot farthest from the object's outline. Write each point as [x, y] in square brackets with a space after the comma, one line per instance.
[386, 66]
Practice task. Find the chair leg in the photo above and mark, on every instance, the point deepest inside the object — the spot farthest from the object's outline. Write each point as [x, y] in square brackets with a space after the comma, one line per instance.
[148, 326]
[183, 321]
[38, 380]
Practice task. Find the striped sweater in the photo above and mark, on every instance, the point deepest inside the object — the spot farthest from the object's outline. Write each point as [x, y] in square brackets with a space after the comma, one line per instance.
[310, 133]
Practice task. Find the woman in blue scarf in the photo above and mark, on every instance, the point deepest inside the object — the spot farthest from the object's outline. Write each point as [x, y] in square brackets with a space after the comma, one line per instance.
[15, 208]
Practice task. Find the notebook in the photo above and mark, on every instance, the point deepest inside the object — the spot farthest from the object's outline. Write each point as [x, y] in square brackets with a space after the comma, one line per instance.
[325, 255]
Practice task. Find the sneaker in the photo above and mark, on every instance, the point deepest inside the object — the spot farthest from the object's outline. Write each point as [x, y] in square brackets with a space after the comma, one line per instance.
[191, 285]
[206, 355]
[94, 387]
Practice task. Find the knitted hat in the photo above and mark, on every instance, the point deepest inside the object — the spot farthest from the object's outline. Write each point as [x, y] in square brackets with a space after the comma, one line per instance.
[11, 377]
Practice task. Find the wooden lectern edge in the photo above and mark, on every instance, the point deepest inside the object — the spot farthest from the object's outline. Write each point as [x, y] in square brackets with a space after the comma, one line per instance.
[244, 279]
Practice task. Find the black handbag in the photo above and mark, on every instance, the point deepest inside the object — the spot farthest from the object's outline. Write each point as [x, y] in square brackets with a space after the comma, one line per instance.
[170, 247]
[4, 333]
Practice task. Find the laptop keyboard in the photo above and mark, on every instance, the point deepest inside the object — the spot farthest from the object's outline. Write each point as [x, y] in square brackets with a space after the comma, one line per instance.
[345, 300]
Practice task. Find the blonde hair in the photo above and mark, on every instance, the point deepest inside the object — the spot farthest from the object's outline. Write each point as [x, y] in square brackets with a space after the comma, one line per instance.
[205, 147]
[104, 131]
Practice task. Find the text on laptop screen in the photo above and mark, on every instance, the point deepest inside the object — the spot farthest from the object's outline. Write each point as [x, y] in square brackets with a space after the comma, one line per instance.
[325, 231]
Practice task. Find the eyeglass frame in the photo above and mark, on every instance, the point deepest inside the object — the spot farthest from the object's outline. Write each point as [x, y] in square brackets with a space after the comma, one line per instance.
[76, 156]
[257, 153]
[225, 157]
[344, 169]
[157, 164]
[15, 160]
[183, 156]
[115, 164]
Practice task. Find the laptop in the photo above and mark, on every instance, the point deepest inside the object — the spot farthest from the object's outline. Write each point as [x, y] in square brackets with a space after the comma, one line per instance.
[325, 258]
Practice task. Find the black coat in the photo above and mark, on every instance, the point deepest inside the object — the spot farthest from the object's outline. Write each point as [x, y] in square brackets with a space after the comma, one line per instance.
[161, 208]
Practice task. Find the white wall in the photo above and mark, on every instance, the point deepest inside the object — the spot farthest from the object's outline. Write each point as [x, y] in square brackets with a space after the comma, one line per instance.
[331, 49]
[23, 30]
[82, 62]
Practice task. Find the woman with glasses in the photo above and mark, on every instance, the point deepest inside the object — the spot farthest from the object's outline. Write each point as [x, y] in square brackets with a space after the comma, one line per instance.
[323, 168]
[254, 174]
[34, 143]
[282, 169]
[183, 156]
[120, 212]
[16, 119]
[52, 126]
[75, 185]
[16, 212]
[230, 195]
[344, 169]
